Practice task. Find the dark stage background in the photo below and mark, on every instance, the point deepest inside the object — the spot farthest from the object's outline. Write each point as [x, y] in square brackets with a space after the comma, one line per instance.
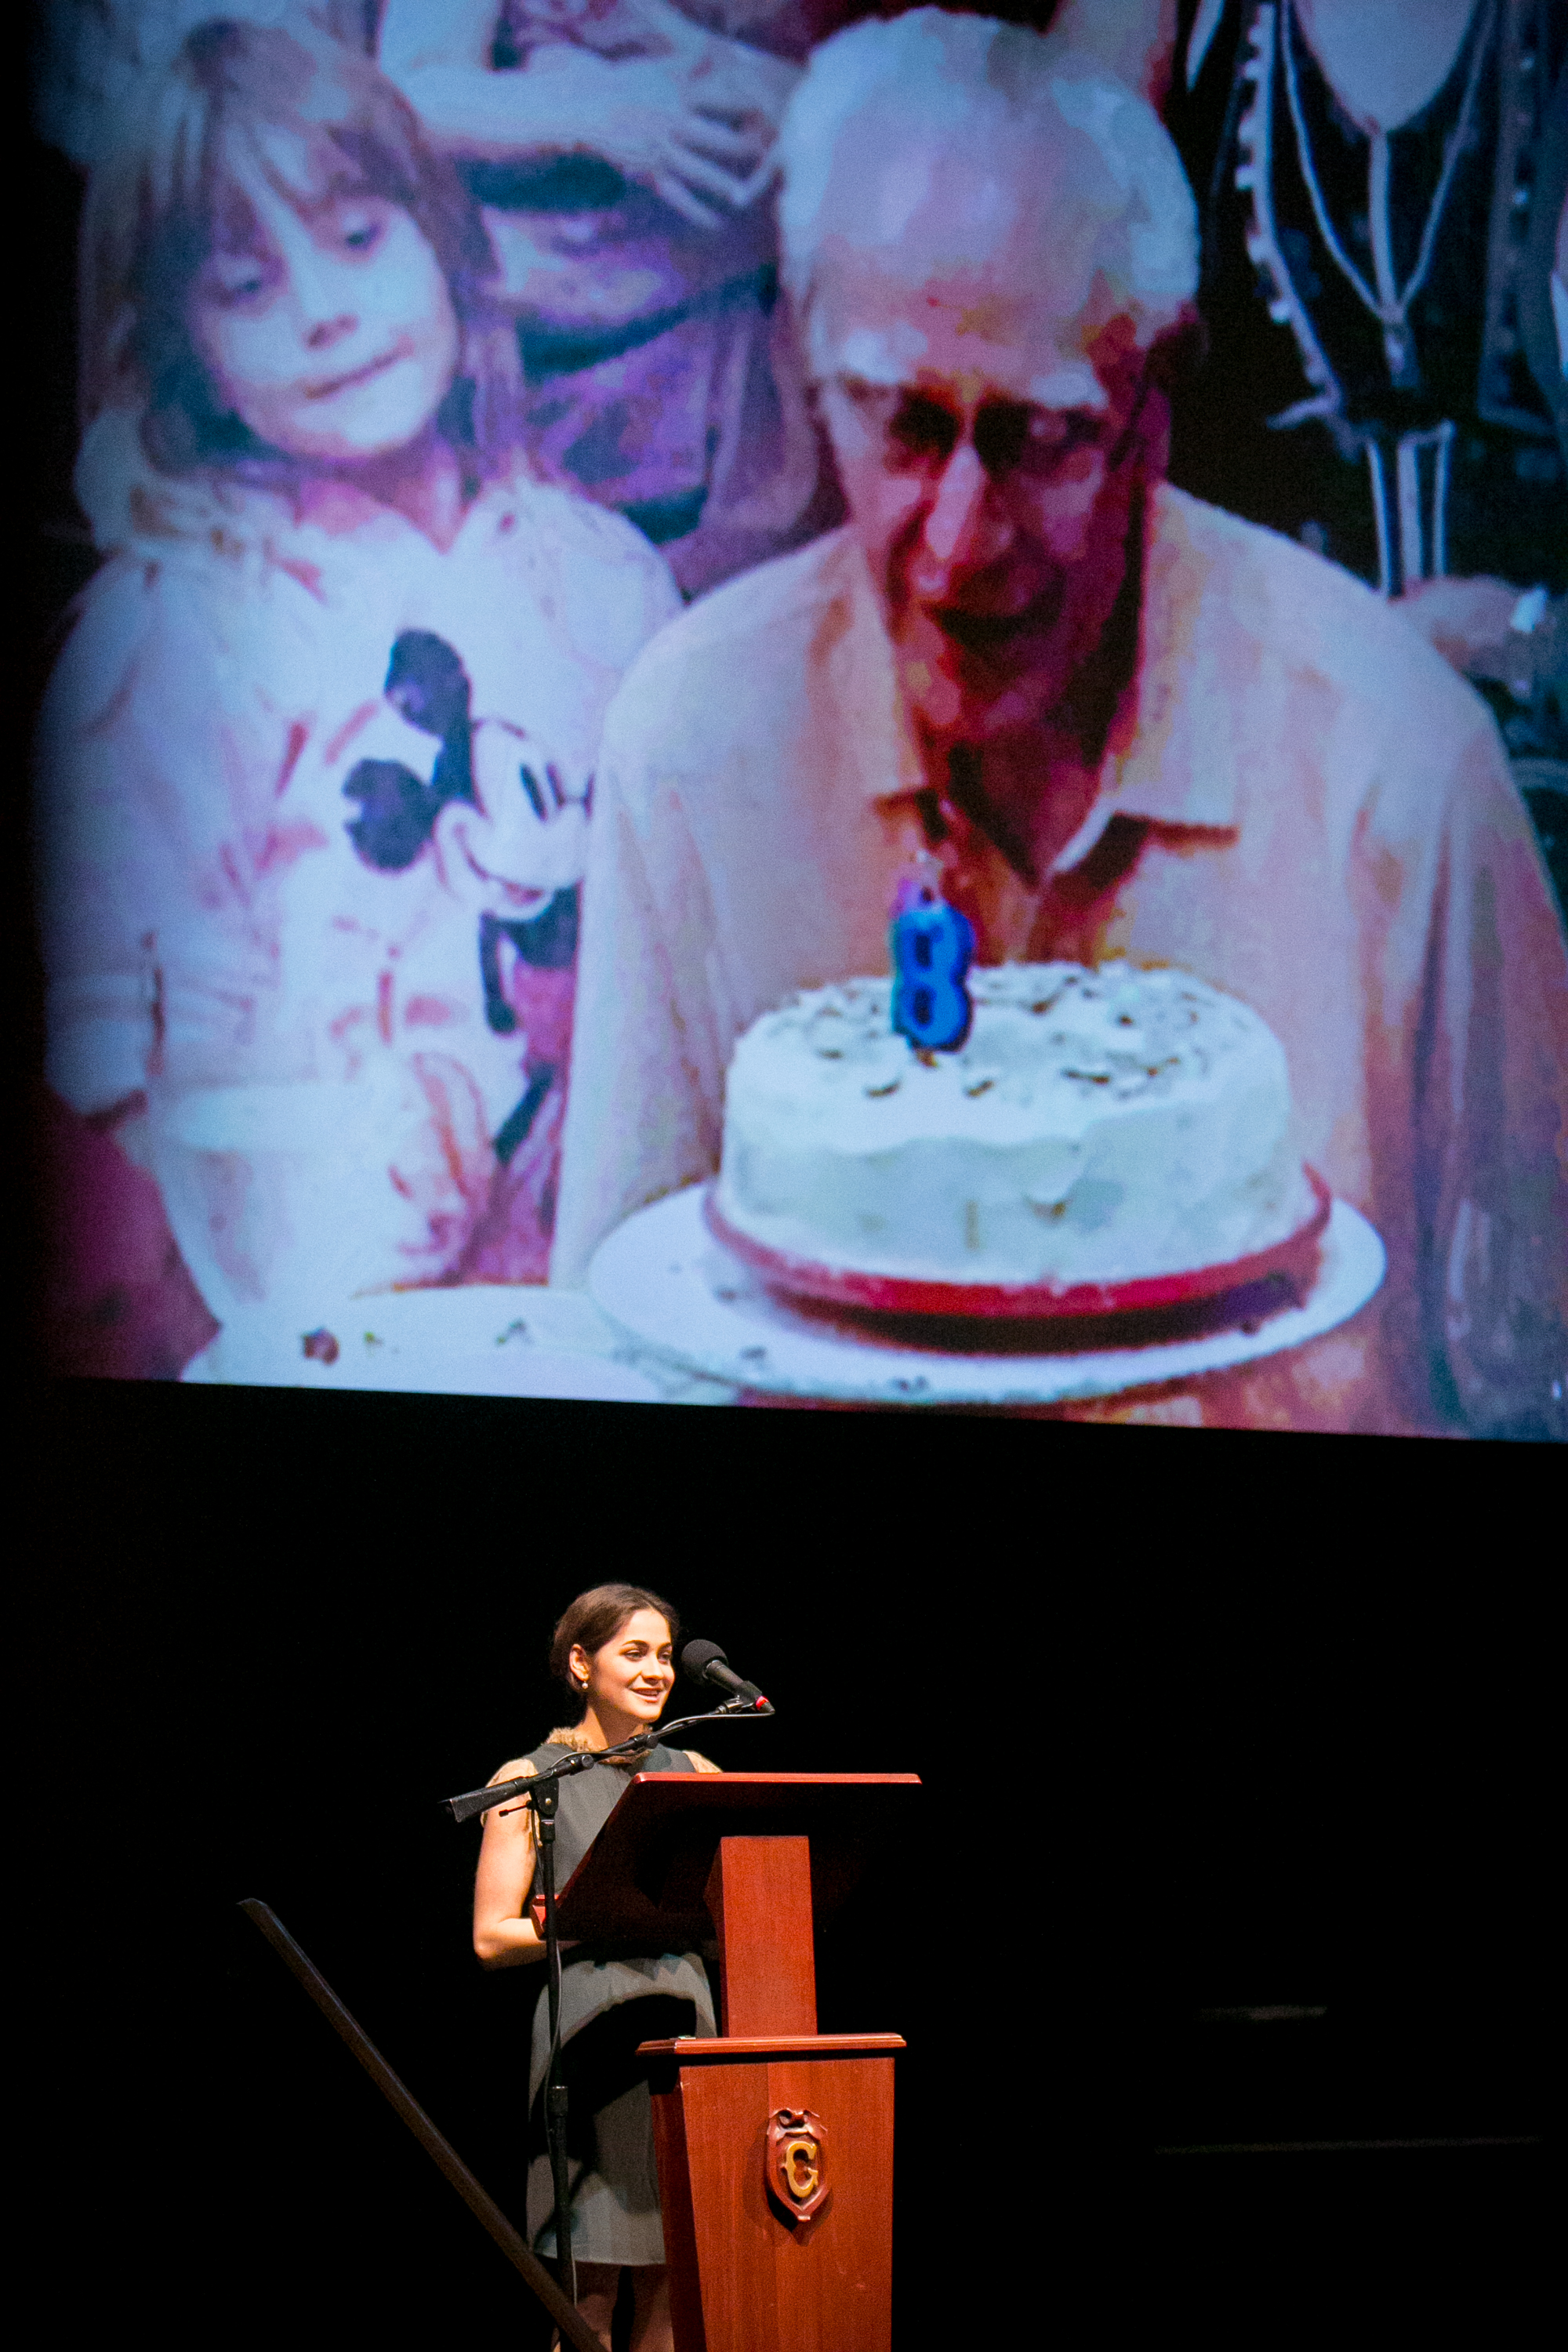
[1206, 1726]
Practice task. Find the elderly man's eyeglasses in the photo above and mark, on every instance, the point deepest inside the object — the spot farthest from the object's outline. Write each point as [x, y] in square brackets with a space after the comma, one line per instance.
[919, 431]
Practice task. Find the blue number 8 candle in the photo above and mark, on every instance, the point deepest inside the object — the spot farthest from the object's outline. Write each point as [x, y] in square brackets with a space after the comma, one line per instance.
[931, 946]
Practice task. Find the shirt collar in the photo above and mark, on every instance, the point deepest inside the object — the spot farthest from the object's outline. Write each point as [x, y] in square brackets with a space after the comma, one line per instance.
[1181, 767]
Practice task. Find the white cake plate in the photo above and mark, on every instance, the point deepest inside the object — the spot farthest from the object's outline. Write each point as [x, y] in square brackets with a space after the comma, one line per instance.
[666, 1280]
[483, 1339]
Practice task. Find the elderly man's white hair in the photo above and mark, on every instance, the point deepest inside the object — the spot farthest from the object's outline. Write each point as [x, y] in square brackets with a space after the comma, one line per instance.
[1112, 197]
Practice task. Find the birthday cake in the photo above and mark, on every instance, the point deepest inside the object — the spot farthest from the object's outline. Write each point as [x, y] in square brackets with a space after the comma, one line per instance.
[1094, 1127]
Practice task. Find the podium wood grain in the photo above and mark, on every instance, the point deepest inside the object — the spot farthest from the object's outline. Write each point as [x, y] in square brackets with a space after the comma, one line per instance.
[759, 1900]
[742, 2277]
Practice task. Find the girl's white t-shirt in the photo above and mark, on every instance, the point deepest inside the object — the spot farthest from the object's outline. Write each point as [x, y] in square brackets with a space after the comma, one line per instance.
[309, 1023]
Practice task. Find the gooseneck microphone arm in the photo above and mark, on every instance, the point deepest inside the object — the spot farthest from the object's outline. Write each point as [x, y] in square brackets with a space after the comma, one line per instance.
[504, 1793]
[539, 1790]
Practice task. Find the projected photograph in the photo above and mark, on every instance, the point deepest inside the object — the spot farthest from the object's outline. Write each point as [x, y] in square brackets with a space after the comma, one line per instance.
[760, 703]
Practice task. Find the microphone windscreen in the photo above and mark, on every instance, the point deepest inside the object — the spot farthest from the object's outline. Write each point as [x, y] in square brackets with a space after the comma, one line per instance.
[696, 1655]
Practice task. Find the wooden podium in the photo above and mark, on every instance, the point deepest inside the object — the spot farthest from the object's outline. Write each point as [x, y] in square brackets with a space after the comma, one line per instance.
[775, 2142]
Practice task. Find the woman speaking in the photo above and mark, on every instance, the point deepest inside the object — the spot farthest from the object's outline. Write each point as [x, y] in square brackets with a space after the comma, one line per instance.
[614, 1651]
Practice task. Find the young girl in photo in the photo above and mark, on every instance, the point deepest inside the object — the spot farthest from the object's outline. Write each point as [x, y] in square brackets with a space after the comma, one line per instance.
[316, 761]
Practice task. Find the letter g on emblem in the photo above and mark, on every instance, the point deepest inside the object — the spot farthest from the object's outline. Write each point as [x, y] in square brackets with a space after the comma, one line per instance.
[796, 2161]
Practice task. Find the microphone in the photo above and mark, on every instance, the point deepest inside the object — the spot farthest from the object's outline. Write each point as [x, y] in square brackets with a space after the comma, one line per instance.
[704, 1662]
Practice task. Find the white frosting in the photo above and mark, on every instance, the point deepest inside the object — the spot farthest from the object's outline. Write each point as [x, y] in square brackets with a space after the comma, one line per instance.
[1097, 1127]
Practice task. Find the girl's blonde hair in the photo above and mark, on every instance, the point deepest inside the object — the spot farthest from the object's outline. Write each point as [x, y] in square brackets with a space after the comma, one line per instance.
[156, 201]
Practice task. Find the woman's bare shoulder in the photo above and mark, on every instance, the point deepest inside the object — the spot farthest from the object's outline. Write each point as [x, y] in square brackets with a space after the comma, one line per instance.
[702, 1763]
[512, 1771]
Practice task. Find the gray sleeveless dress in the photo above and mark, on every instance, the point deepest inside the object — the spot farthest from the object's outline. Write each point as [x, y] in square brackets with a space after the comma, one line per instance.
[612, 1998]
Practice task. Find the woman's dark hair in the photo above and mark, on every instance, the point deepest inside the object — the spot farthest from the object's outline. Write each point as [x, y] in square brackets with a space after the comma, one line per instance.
[595, 1618]
[163, 192]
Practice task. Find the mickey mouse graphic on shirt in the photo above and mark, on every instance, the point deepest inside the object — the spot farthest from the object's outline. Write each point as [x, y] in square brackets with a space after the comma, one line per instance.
[508, 833]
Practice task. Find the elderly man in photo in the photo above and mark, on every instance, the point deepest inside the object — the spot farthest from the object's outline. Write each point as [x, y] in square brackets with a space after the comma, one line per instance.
[1126, 724]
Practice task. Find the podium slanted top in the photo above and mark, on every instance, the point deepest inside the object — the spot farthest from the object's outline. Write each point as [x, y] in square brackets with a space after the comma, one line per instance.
[643, 1879]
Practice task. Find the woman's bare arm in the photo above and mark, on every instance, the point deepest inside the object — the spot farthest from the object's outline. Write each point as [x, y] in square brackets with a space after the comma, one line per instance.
[503, 1935]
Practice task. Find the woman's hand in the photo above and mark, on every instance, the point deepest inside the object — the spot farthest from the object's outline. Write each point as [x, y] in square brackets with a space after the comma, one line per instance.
[697, 132]
[737, 77]
[695, 123]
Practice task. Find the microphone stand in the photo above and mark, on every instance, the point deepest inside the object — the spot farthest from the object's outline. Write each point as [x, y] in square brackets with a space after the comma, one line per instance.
[541, 1791]
[544, 1805]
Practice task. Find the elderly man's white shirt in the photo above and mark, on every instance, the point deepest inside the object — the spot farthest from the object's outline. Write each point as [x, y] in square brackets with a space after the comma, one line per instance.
[1332, 836]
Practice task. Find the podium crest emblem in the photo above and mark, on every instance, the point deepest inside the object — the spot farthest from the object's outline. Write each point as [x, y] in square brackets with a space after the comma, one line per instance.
[796, 2161]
